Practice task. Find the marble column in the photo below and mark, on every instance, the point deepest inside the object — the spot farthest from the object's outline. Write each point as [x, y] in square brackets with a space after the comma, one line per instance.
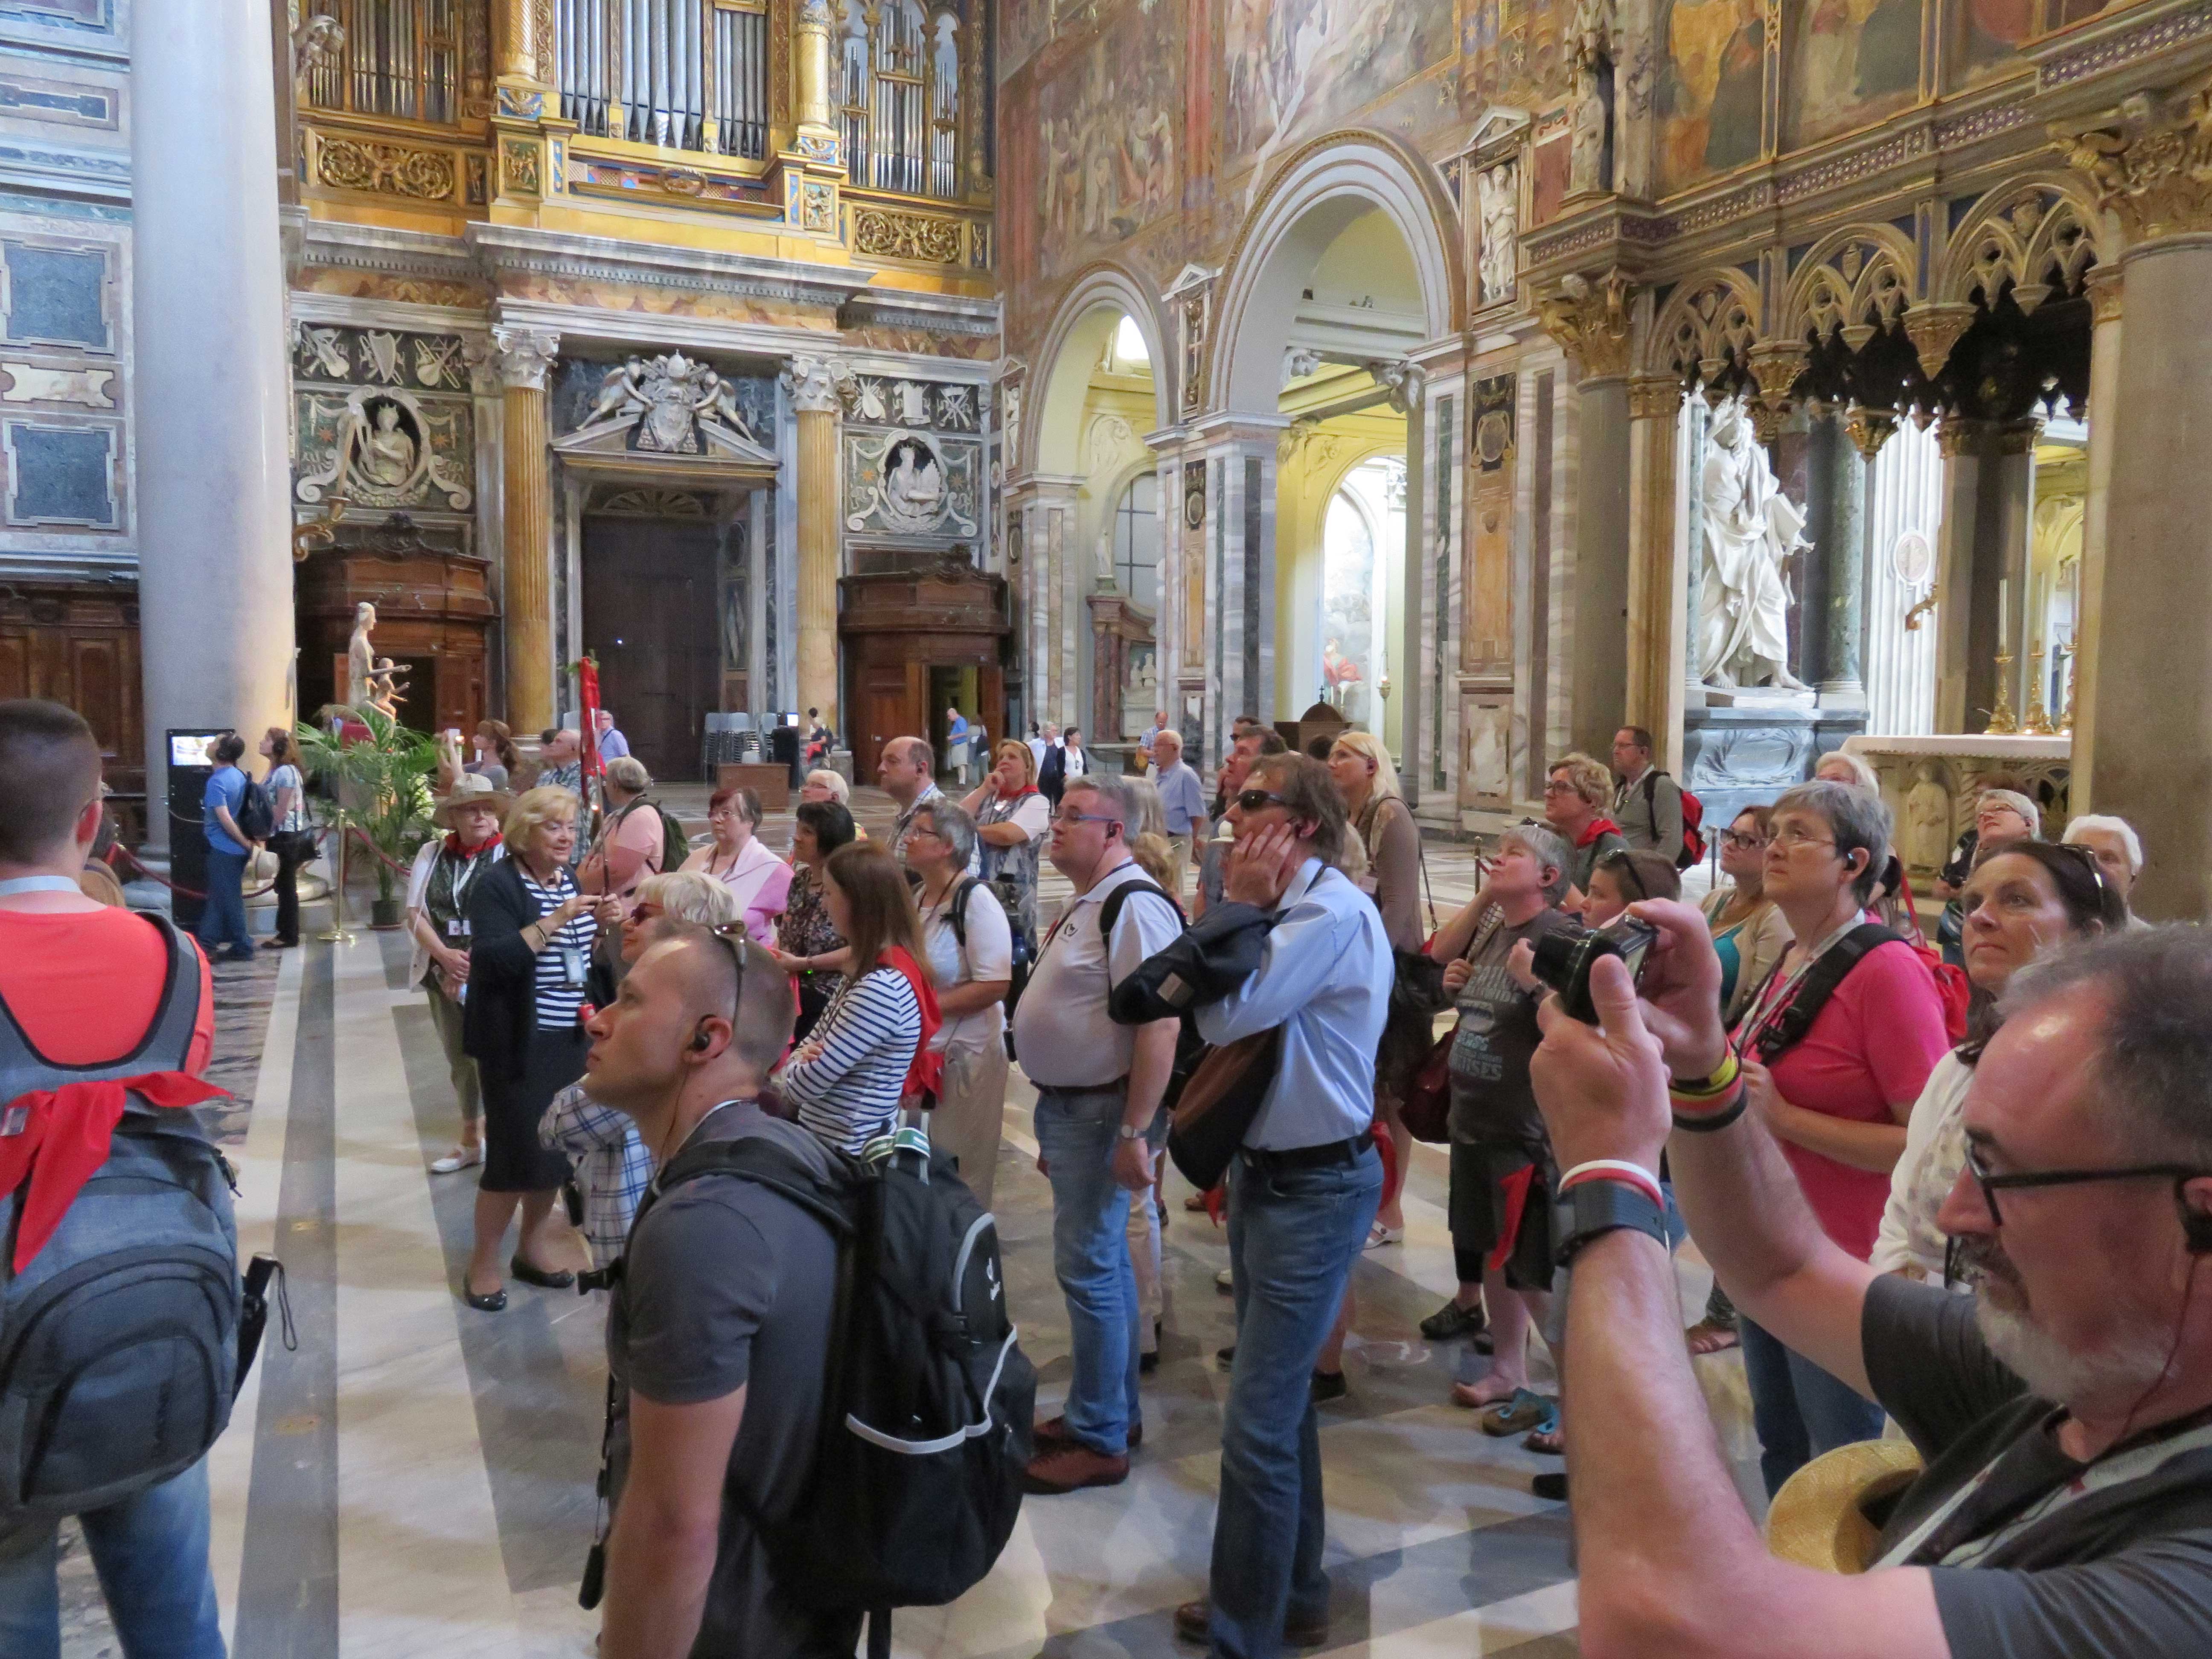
[526, 355]
[2152, 717]
[1961, 441]
[1658, 595]
[1240, 531]
[814, 399]
[210, 380]
[2009, 520]
[1590, 320]
[1844, 560]
[2105, 292]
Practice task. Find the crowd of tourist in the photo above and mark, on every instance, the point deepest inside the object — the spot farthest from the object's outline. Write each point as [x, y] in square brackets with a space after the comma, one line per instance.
[1978, 1216]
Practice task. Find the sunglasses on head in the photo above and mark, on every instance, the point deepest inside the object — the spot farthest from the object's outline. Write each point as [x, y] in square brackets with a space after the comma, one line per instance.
[733, 934]
[1624, 869]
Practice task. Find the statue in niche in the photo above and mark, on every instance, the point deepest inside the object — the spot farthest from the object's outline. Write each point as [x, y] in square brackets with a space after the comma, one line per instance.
[913, 484]
[385, 454]
[1591, 115]
[1497, 195]
[1750, 529]
[1928, 820]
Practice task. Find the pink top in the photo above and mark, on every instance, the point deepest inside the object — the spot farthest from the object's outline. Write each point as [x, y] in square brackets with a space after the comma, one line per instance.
[757, 879]
[1874, 1043]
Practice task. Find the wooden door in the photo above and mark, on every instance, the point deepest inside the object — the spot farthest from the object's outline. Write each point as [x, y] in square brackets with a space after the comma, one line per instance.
[650, 599]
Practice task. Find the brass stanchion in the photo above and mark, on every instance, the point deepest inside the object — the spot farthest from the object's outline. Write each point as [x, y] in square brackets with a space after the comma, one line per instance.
[336, 933]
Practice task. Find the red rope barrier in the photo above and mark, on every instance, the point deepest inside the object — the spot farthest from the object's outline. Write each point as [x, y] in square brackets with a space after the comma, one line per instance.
[119, 851]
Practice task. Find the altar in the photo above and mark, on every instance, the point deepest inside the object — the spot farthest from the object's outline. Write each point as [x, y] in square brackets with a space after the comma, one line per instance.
[1931, 784]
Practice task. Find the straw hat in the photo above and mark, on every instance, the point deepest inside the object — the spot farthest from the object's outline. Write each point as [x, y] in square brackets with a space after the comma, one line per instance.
[1819, 1518]
[470, 789]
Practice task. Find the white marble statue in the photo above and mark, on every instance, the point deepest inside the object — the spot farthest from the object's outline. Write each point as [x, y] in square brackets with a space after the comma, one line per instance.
[1751, 529]
[361, 658]
[1927, 835]
[1497, 194]
[1586, 143]
[913, 489]
[387, 455]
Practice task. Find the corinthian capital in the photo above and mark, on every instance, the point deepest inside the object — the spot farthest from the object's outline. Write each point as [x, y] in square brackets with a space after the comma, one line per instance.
[2150, 161]
[813, 383]
[1590, 320]
[525, 355]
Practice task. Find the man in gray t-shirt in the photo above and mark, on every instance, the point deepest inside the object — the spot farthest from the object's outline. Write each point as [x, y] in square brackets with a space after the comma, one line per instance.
[2065, 1411]
[718, 1334]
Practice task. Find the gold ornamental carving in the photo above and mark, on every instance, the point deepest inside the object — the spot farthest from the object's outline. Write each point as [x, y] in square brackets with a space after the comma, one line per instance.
[1869, 428]
[1654, 397]
[1933, 329]
[517, 168]
[421, 176]
[1591, 322]
[882, 234]
[2149, 162]
[1957, 435]
[2106, 291]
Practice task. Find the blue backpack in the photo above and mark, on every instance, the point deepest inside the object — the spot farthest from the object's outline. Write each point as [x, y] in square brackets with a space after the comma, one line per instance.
[119, 1340]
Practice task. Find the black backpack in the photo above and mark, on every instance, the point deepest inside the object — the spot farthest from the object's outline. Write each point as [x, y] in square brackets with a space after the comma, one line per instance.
[1785, 1030]
[1190, 1048]
[256, 817]
[926, 1397]
[120, 1348]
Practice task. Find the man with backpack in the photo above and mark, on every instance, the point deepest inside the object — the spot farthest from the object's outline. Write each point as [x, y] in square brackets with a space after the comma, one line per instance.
[100, 995]
[1647, 804]
[230, 844]
[763, 1498]
[1099, 1088]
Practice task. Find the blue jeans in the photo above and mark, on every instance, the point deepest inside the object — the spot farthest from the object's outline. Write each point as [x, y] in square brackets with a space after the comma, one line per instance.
[151, 1553]
[1799, 1410]
[223, 921]
[1077, 1130]
[1293, 1236]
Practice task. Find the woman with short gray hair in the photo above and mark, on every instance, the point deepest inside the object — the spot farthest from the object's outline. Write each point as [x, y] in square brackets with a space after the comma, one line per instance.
[1836, 1047]
[971, 955]
[628, 846]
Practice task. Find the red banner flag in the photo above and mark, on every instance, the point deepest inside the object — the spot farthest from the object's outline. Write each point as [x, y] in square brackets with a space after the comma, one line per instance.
[588, 684]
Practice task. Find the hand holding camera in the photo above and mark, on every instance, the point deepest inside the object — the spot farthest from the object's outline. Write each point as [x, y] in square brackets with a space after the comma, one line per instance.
[1602, 1084]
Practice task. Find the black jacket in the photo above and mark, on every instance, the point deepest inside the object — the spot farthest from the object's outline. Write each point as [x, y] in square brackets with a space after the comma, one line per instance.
[1051, 776]
[502, 1010]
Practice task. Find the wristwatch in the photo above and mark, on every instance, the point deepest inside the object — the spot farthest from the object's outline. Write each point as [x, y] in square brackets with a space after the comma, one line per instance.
[1595, 1207]
[1134, 1131]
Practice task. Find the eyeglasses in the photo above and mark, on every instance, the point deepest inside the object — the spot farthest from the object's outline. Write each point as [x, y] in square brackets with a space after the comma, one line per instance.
[1789, 838]
[1991, 1185]
[1259, 800]
[1083, 818]
[1559, 787]
[645, 911]
[1736, 841]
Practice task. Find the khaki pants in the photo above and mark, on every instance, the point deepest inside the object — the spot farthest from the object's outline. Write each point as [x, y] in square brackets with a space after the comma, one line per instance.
[445, 1015]
[970, 1115]
[1179, 854]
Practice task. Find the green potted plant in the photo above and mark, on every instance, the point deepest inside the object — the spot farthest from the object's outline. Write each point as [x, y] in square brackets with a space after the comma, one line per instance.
[381, 786]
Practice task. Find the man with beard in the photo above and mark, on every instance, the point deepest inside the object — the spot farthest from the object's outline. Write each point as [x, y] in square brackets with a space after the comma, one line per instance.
[2065, 1411]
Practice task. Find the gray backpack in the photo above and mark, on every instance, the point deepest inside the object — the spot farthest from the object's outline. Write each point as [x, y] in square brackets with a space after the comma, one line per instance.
[118, 1340]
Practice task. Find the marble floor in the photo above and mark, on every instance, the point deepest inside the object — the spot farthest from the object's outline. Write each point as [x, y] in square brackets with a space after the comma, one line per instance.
[415, 1478]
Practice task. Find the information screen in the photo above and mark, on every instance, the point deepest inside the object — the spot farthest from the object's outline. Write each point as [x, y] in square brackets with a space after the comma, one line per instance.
[188, 751]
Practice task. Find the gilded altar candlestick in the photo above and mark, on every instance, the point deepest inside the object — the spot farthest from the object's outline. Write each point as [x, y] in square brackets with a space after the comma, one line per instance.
[2038, 723]
[2003, 721]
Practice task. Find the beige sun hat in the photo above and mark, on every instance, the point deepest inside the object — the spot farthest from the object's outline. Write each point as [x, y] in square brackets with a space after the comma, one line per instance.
[470, 789]
[1818, 1519]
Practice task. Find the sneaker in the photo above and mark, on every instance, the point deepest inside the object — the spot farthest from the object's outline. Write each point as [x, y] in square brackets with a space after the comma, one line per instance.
[1069, 1467]
[1052, 1432]
[1193, 1618]
[461, 1157]
[1452, 1321]
[1327, 1386]
[1225, 1283]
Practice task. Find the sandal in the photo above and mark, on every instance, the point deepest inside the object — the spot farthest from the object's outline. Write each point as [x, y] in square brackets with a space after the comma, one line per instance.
[1544, 1439]
[1526, 1410]
[1709, 1336]
[1378, 1236]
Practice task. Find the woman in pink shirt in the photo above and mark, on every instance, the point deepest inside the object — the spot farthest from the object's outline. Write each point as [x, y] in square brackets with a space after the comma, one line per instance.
[1837, 1092]
[759, 881]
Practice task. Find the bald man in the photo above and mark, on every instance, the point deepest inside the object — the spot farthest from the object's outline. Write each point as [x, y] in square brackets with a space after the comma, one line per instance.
[721, 1317]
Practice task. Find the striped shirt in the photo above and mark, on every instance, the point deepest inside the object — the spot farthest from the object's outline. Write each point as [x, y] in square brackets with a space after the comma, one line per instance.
[848, 1093]
[567, 955]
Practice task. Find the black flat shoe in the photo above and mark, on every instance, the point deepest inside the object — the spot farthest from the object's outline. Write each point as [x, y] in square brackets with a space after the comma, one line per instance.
[492, 1304]
[1551, 1487]
[538, 1276]
[1327, 1386]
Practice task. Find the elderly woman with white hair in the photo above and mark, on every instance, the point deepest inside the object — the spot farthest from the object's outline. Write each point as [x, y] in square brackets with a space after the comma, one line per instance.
[629, 846]
[2113, 842]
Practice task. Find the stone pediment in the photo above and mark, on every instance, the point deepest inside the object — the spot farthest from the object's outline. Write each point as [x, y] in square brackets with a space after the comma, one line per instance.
[670, 417]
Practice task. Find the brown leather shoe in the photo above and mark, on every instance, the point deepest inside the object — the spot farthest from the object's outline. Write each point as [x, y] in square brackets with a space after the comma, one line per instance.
[1068, 1466]
[1192, 1618]
[1052, 1432]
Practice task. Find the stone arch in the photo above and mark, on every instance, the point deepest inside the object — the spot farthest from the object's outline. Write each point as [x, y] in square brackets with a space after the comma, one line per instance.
[1706, 328]
[2039, 233]
[1857, 278]
[1319, 189]
[1100, 296]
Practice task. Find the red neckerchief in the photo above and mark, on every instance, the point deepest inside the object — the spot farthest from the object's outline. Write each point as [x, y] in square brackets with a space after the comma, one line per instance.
[1026, 789]
[65, 1139]
[922, 1075]
[1593, 828]
[453, 846]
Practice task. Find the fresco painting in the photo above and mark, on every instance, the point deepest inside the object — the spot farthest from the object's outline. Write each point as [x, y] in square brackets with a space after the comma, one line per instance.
[1852, 62]
[1109, 143]
[1024, 26]
[1296, 67]
[1708, 93]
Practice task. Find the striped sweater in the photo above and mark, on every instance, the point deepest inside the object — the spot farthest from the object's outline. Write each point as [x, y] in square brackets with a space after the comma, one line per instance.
[847, 1090]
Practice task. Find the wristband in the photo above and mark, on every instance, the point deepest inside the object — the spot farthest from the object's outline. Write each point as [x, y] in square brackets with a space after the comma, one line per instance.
[1614, 1169]
[1602, 1205]
[1707, 1121]
[1722, 1079]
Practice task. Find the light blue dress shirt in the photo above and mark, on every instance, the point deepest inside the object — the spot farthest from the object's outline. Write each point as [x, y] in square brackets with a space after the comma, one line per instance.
[1325, 978]
[1181, 796]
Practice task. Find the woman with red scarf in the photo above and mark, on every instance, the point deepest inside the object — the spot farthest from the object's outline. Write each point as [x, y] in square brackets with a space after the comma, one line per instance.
[869, 1053]
[1576, 792]
[438, 921]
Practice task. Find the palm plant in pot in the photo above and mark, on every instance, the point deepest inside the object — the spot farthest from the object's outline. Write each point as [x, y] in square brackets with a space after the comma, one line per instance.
[380, 786]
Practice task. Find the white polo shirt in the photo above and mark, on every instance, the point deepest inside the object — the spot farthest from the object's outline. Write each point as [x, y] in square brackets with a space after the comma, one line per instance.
[1061, 1032]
